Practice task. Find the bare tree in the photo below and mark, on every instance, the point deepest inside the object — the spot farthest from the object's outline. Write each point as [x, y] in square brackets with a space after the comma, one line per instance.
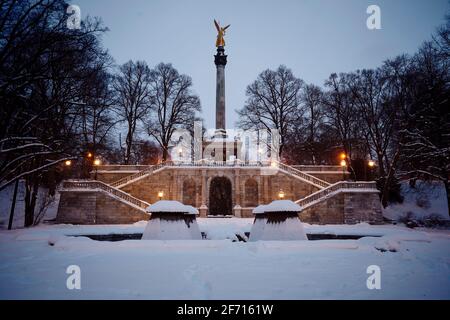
[173, 105]
[96, 112]
[426, 134]
[132, 86]
[341, 113]
[273, 102]
[312, 97]
[41, 65]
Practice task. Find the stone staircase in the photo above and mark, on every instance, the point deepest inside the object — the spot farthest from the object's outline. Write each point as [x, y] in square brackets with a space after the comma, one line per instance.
[319, 183]
[305, 177]
[326, 190]
[137, 176]
[115, 192]
[332, 190]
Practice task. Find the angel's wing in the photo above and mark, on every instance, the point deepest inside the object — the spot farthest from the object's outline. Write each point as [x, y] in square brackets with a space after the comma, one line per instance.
[217, 25]
[226, 27]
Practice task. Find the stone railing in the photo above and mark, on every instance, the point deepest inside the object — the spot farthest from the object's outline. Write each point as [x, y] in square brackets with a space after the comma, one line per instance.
[304, 176]
[122, 167]
[341, 185]
[213, 163]
[92, 185]
[318, 168]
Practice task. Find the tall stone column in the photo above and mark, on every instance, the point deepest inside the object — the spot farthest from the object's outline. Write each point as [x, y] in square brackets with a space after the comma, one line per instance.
[220, 61]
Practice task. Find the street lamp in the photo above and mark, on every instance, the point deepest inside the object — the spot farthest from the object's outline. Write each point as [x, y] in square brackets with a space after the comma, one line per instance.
[97, 162]
[160, 195]
[343, 165]
[180, 153]
[281, 194]
[343, 156]
[68, 163]
[371, 165]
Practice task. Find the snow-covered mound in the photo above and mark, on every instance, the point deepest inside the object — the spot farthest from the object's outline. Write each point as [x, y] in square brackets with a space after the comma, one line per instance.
[277, 221]
[177, 229]
[171, 206]
[282, 206]
[425, 200]
[259, 209]
[172, 220]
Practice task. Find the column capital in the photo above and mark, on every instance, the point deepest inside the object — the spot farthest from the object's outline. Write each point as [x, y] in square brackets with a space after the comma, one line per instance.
[220, 59]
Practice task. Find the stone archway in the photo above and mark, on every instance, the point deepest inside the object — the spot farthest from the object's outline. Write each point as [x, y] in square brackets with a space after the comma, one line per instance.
[220, 197]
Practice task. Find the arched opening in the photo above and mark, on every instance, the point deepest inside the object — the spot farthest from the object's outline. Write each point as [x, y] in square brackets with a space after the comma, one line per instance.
[189, 192]
[220, 202]
[251, 193]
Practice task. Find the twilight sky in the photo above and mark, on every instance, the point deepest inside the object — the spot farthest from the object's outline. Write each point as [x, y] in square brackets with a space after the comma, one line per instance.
[312, 37]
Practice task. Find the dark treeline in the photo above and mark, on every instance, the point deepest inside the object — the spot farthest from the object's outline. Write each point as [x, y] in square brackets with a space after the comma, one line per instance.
[65, 104]
[396, 115]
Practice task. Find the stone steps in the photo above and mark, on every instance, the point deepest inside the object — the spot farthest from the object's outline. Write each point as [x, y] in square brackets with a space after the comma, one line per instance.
[331, 190]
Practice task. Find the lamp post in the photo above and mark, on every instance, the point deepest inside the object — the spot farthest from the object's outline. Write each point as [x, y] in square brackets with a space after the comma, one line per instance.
[180, 153]
[371, 165]
[97, 162]
[160, 195]
[281, 194]
[343, 165]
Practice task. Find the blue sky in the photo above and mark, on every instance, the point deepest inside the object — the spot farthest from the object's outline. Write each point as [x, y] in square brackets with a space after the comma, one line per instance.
[312, 37]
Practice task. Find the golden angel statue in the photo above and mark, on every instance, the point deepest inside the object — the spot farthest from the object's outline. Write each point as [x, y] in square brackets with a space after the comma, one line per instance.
[220, 42]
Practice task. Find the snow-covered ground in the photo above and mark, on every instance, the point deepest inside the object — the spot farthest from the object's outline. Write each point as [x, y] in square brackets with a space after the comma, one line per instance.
[415, 264]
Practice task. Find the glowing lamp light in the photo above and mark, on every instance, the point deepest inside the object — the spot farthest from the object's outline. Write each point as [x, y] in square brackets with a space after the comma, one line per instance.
[273, 164]
[97, 162]
[68, 163]
[89, 155]
[343, 163]
[160, 194]
[342, 156]
[371, 163]
[281, 194]
[180, 150]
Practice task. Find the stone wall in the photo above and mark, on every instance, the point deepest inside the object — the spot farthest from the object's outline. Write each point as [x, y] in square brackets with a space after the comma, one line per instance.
[345, 208]
[111, 176]
[362, 207]
[95, 207]
[331, 177]
[330, 211]
[250, 186]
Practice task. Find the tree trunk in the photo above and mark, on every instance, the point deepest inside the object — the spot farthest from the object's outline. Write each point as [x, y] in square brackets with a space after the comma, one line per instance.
[30, 200]
[13, 205]
[129, 142]
[447, 190]
[165, 154]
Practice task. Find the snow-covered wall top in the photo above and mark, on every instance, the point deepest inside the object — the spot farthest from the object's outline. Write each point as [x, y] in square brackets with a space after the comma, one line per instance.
[171, 206]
